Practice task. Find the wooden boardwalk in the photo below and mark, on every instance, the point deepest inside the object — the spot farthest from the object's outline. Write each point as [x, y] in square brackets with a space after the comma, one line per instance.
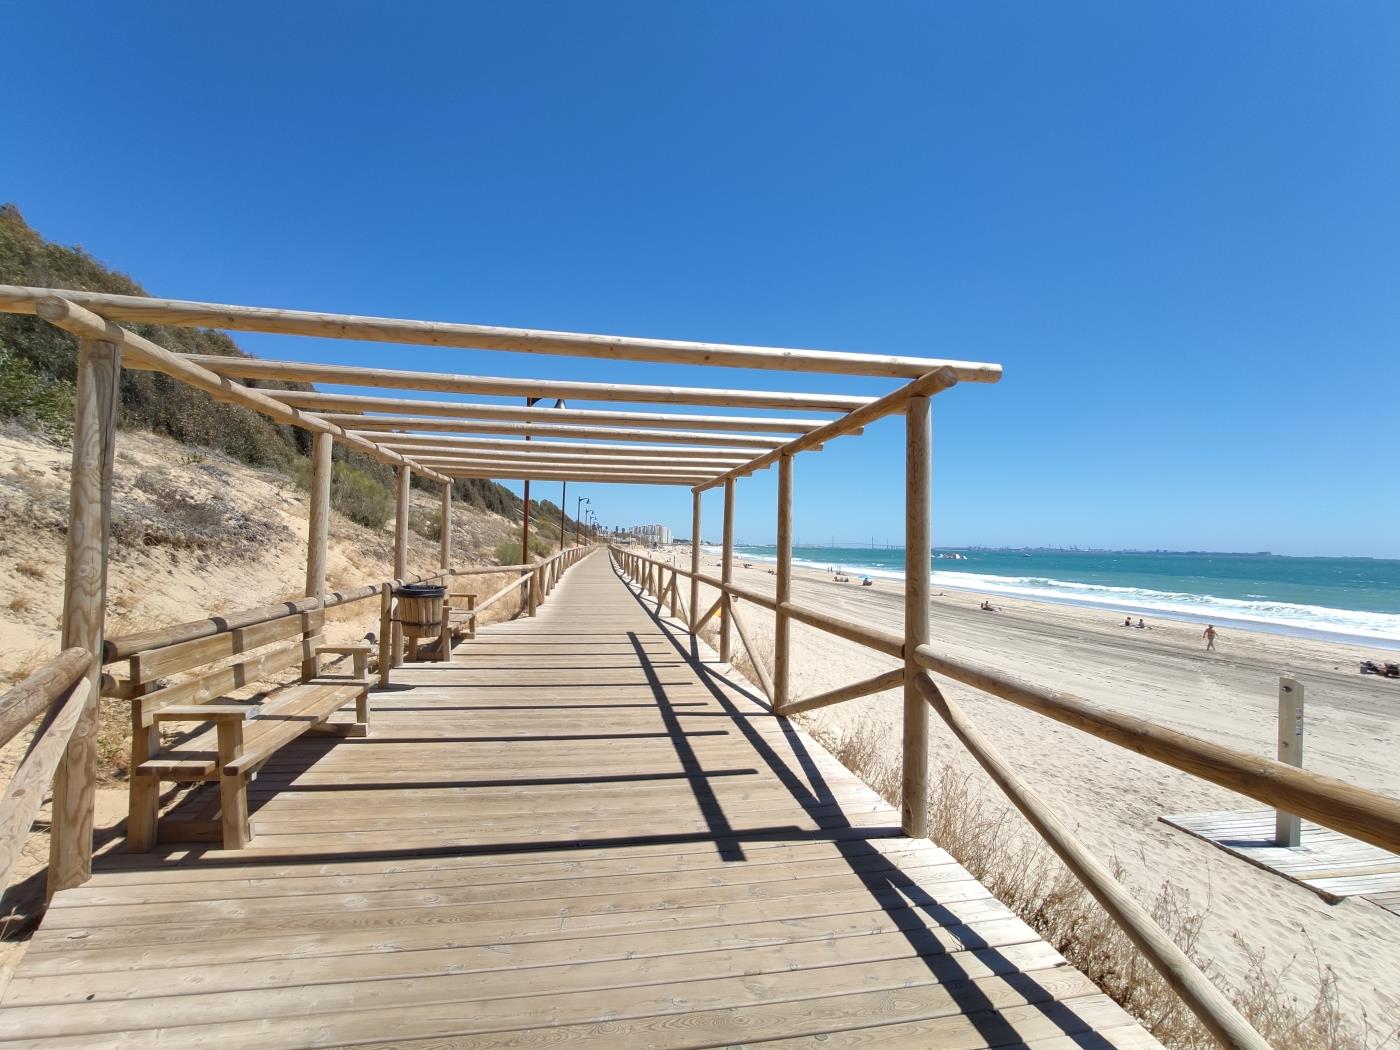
[571, 833]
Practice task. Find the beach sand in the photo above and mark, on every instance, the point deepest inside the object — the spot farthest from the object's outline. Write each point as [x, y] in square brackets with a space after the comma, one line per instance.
[1114, 797]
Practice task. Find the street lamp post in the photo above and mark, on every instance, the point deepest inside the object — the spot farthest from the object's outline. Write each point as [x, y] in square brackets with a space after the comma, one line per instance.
[578, 512]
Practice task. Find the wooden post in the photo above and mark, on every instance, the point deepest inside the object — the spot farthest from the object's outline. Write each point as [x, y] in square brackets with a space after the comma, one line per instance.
[563, 516]
[694, 558]
[318, 531]
[781, 624]
[726, 572]
[1288, 828]
[445, 540]
[917, 536]
[386, 642]
[400, 556]
[84, 603]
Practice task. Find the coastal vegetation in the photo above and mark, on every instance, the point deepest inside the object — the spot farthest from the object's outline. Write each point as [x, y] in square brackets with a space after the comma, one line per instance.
[38, 365]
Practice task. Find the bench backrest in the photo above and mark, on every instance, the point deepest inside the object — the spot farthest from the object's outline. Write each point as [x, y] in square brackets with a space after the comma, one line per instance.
[259, 649]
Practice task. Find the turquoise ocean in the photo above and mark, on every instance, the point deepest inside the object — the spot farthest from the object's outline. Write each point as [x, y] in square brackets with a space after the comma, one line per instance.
[1341, 599]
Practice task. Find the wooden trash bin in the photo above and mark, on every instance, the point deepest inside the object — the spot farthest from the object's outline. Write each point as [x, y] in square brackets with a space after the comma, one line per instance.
[420, 613]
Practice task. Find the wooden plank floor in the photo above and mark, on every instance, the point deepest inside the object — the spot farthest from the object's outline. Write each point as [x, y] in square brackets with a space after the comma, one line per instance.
[569, 834]
[1332, 865]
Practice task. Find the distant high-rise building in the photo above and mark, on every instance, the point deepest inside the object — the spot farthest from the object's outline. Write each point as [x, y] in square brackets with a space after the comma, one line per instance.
[657, 535]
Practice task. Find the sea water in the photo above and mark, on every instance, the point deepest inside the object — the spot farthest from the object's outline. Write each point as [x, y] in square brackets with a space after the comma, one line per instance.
[1340, 599]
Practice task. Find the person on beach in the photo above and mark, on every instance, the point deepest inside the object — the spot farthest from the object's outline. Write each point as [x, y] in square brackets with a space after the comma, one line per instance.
[1127, 621]
[1141, 624]
[1209, 635]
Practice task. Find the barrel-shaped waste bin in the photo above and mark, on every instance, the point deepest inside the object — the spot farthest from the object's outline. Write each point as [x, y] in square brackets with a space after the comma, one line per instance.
[420, 609]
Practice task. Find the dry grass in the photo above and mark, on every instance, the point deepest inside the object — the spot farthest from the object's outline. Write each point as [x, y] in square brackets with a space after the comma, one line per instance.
[992, 841]
[33, 569]
[21, 603]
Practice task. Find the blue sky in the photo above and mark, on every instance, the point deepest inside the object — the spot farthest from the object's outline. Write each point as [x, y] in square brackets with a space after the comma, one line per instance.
[1175, 224]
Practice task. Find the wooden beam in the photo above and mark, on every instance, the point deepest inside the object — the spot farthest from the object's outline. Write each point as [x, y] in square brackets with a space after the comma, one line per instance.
[182, 313]
[917, 453]
[695, 498]
[318, 530]
[445, 527]
[317, 533]
[782, 627]
[674, 453]
[511, 474]
[141, 353]
[1333, 803]
[765, 680]
[401, 512]
[362, 404]
[1207, 1002]
[700, 468]
[727, 571]
[924, 386]
[84, 602]
[877, 684]
[367, 425]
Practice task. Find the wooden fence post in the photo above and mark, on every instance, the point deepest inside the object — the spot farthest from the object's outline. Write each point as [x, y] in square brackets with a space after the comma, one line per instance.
[401, 510]
[782, 626]
[1288, 828]
[318, 531]
[386, 644]
[694, 558]
[726, 571]
[917, 537]
[445, 539]
[84, 603]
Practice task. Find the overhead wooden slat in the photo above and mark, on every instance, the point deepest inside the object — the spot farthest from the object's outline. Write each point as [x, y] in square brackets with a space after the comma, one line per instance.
[140, 353]
[367, 425]
[435, 454]
[188, 314]
[677, 453]
[464, 410]
[453, 383]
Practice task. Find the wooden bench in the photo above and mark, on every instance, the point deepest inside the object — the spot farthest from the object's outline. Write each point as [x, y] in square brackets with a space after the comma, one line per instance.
[461, 613]
[230, 740]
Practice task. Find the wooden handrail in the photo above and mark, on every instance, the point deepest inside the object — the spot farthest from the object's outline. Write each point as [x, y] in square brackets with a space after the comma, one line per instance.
[28, 698]
[1205, 1000]
[1332, 803]
[59, 691]
[128, 645]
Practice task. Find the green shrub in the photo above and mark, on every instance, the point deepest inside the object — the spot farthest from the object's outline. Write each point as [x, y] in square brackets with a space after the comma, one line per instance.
[359, 496]
[508, 551]
[426, 524]
[33, 398]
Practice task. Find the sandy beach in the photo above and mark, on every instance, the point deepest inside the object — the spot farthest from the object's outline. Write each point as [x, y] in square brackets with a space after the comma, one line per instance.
[1115, 797]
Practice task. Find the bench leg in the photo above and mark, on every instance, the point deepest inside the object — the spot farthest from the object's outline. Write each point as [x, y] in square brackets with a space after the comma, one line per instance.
[233, 788]
[362, 710]
[143, 791]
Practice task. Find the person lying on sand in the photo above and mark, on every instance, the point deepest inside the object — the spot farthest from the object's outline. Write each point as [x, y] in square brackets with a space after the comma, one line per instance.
[987, 606]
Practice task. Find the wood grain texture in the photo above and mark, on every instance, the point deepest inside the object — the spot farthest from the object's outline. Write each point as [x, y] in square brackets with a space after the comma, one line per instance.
[187, 314]
[30, 782]
[84, 602]
[917, 546]
[32, 696]
[569, 833]
[361, 404]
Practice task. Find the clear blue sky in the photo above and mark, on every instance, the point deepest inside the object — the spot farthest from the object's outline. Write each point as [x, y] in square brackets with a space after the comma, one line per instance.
[1176, 224]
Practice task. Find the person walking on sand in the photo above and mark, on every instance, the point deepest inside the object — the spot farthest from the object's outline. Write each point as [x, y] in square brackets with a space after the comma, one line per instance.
[1209, 635]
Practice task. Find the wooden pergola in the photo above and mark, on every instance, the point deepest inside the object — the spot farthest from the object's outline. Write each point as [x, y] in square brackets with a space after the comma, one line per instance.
[445, 439]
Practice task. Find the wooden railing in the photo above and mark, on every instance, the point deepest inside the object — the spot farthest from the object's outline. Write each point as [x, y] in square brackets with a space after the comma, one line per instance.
[55, 694]
[58, 692]
[1332, 803]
